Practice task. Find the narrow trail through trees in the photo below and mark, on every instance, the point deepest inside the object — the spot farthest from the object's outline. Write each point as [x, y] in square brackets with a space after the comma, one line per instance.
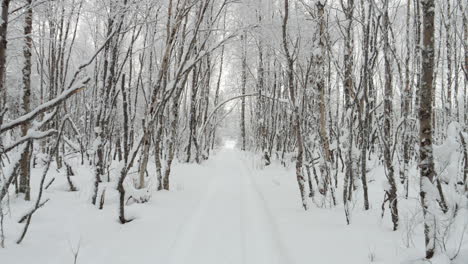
[232, 223]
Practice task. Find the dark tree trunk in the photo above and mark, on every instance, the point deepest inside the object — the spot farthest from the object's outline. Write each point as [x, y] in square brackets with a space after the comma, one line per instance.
[425, 125]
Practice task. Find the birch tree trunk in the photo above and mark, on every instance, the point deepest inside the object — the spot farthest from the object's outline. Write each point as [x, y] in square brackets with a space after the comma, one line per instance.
[25, 170]
[296, 115]
[321, 83]
[366, 118]
[465, 64]
[404, 177]
[350, 103]
[243, 89]
[391, 191]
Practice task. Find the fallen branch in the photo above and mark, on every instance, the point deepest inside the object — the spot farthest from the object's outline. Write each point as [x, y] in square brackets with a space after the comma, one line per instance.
[32, 211]
[50, 183]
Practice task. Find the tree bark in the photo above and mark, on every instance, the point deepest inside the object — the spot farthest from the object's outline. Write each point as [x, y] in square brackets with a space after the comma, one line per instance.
[243, 89]
[425, 127]
[25, 170]
[388, 131]
[3, 47]
[350, 102]
[296, 114]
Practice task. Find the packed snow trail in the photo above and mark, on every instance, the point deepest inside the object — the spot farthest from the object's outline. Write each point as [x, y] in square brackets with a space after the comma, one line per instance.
[232, 223]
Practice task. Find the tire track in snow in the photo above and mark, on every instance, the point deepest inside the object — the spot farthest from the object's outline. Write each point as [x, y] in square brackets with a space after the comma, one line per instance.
[179, 245]
[277, 248]
[231, 224]
[209, 234]
[242, 225]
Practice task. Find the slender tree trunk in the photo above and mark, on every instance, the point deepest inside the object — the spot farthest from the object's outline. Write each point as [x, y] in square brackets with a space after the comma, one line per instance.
[172, 143]
[366, 119]
[348, 86]
[321, 84]
[448, 47]
[25, 170]
[391, 192]
[296, 114]
[126, 124]
[243, 89]
[193, 113]
[3, 47]
[157, 153]
[465, 66]
[404, 178]
[425, 125]
[144, 160]
[216, 98]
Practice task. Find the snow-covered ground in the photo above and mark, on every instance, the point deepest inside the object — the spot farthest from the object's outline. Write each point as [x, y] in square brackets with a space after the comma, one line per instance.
[227, 210]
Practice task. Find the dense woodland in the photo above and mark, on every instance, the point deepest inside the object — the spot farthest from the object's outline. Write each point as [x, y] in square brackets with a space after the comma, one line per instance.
[334, 87]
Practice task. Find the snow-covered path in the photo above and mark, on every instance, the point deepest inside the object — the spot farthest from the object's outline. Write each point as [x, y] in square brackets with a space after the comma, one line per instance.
[232, 223]
[226, 210]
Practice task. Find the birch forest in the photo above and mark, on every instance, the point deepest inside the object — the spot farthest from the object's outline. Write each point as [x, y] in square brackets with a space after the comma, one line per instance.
[234, 131]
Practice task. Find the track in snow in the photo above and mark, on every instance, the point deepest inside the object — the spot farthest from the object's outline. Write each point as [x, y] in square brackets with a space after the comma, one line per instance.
[232, 224]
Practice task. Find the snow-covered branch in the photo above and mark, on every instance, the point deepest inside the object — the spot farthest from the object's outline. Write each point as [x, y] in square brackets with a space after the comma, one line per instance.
[46, 106]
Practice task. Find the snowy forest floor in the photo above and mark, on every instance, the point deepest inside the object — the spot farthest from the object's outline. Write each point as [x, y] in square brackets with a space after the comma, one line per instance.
[227, 210]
